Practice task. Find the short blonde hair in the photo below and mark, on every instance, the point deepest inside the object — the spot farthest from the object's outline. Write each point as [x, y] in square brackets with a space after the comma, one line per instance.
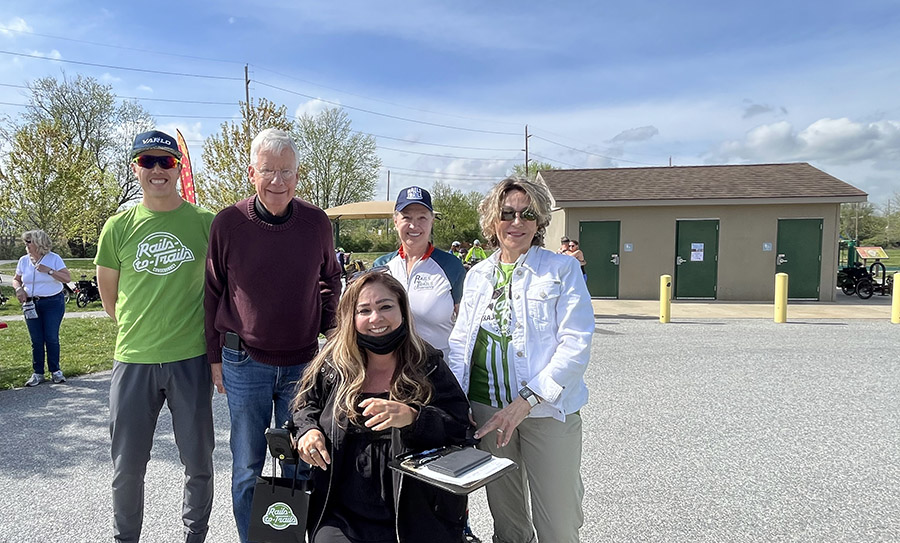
[490, 207]
[40, 239]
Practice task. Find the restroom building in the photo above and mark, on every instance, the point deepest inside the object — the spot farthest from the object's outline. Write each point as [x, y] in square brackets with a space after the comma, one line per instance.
[721, 232]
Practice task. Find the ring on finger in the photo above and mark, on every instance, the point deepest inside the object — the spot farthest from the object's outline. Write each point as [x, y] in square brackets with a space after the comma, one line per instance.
[313, 451]
[499, 430]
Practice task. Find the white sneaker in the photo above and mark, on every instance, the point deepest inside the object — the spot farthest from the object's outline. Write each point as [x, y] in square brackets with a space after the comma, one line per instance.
[58, 376]
[35, 380]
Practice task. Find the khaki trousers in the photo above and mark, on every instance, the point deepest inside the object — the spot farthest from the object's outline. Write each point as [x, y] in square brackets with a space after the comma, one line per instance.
[548, 453]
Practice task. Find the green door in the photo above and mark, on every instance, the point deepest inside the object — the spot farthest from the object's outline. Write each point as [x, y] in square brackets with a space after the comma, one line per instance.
[696, 258]
[599, 241]
[800, 256]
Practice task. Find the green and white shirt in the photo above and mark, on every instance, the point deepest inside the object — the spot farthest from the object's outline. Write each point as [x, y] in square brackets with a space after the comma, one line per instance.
[493, 377]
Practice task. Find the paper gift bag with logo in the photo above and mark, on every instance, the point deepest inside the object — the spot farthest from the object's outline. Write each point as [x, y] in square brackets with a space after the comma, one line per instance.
[278, 513]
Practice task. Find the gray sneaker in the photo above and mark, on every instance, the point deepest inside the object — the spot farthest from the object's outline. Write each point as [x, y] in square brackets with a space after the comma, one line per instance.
[58, 376]
[35, 380]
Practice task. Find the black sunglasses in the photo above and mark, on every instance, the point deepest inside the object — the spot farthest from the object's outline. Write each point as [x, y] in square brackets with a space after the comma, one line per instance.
[166, 162]
[508, 215]
[27, 240]
[354, 277]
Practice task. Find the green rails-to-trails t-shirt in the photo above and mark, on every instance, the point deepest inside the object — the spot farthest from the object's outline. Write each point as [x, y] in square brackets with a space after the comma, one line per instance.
[492, 381]
[161, 260]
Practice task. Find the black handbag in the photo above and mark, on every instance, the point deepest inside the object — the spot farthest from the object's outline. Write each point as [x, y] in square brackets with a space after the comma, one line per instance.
[279, 510]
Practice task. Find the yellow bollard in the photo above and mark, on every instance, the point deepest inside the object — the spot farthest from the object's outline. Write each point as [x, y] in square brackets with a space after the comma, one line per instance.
[895, 306]
[665, 298]
[781, 295]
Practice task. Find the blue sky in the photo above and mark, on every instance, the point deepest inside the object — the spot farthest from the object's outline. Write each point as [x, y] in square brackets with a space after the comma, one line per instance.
[599, 84]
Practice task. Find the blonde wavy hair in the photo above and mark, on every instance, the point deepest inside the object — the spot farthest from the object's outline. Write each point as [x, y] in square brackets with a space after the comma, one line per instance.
[409, 384]
[40, 239]
[490, 207]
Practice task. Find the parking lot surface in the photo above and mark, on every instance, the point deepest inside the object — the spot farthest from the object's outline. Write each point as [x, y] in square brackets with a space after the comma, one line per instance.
[704, 429]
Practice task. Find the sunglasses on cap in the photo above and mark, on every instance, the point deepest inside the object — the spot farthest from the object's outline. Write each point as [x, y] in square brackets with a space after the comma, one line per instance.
[508, 214]
[354, 277]
[166, 162]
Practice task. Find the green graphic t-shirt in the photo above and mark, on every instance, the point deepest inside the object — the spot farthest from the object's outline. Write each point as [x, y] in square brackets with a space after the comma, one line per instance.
[493, 380]
[161, 259]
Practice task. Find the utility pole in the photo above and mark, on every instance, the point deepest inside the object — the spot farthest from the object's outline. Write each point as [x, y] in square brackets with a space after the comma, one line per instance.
[247, 89]
[526, 150]
[389, 186]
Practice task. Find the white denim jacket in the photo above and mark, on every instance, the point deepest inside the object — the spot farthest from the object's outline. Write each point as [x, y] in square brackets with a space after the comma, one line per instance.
[552, 322]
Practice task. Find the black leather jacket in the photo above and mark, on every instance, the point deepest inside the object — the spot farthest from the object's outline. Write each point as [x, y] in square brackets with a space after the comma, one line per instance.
[424, 512]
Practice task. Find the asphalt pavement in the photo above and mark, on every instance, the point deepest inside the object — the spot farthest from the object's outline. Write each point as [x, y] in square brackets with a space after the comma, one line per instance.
[710, 429]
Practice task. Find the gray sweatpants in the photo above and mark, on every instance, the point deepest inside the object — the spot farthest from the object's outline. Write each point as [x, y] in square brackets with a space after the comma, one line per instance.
[136, 396]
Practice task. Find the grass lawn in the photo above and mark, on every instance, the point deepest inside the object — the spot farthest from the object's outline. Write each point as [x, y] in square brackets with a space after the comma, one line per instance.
[77, 266]
[87, 346]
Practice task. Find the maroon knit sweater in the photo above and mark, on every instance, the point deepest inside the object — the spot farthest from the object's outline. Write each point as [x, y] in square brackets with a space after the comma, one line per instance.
[262, 282]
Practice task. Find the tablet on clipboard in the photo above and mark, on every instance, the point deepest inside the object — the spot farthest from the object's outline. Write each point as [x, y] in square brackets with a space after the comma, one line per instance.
[459, 470]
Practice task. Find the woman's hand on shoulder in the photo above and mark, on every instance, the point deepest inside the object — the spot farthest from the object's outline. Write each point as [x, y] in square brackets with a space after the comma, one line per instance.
[384, 414]
[312, 449]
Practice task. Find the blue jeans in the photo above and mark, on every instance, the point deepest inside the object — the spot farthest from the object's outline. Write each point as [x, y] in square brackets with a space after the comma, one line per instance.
[44, 332]
[253, 389]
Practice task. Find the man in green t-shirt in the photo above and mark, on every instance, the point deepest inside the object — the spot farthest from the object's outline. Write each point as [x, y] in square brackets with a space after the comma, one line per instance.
[150, 269]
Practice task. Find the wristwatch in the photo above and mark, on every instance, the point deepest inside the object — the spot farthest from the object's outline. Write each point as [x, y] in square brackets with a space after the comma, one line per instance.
[529, 396]
[50, 272]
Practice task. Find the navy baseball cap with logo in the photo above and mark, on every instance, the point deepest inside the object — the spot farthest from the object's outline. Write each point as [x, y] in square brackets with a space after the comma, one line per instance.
[413, 195]
[154, 139]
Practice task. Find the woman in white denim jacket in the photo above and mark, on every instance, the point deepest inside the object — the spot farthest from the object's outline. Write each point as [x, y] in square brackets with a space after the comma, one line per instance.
[519, 349]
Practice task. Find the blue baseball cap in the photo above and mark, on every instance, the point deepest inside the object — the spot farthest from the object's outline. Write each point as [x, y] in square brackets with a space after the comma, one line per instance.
[413, 195]
[154, 139]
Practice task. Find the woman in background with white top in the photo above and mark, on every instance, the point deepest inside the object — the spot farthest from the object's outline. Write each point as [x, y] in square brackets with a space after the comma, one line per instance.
[39, 278]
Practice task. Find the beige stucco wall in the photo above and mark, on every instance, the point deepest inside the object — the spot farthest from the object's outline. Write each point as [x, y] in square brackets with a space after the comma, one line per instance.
[745, 270]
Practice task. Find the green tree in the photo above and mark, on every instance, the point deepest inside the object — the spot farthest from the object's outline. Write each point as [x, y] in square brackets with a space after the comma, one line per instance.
[98, 129]
[224, 178]
[862, 222]
[458, 215]
[67, 169]
[533, 168]
[338, 166]
[37, 186]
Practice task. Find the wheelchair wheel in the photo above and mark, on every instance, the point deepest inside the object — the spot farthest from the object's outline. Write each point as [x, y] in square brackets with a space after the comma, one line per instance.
[848, 289]
[865, 289]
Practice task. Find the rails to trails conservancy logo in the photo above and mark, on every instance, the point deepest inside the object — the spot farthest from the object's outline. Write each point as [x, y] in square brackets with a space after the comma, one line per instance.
[279, 516]
[161, 253]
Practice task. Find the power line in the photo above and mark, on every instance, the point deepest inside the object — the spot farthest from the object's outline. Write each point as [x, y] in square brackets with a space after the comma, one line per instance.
[386, 101]
[591, 153]
[112, 67]
[439, 144]
[555, 160]
[122, 47]
[456, 175]
[143, 98]
[338, 104]
[448, 156]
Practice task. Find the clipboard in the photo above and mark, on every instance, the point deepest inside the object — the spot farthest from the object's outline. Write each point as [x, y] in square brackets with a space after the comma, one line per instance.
[464, 484]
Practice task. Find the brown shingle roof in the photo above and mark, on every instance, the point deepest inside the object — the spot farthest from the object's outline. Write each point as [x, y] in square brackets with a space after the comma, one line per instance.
[797, 180]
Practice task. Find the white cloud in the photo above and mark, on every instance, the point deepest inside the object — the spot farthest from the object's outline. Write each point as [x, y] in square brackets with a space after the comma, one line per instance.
[144, 88]
[52, 54]
[642, 133]
[109, 78]
[831, 141]
[231, 20]
[14, 26]
[312, 108]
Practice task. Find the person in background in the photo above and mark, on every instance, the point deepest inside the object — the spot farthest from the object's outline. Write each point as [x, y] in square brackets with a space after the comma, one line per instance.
[39, 278]
[341, 257]
[575, 252]
[433, 278]
[455, 250]
[476, 254]
[272, 286]
[520, 348]
[150, 262]
[563, 246]
[375, 391]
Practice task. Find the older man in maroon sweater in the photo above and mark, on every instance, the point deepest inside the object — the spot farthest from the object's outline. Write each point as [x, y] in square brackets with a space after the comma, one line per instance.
[264, 305]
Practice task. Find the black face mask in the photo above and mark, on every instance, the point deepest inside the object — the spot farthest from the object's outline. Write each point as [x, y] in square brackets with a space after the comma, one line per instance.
[385, 344]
